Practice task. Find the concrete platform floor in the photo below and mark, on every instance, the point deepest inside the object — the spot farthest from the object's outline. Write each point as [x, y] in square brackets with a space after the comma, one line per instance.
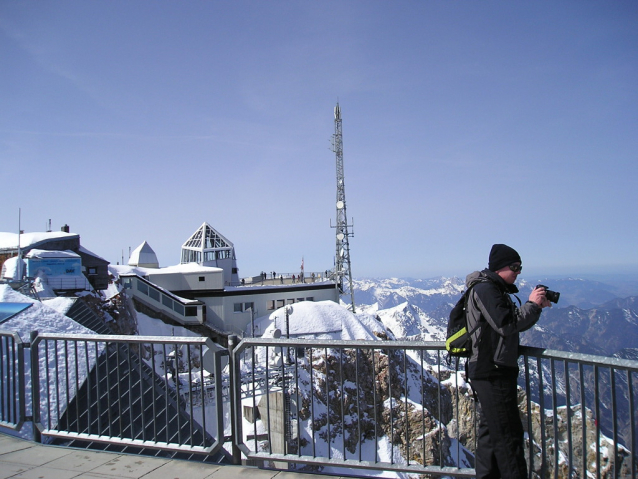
[20, 459]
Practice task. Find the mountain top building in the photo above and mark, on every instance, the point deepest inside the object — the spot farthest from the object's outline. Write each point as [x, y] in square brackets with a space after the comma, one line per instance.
[205, 288]
[67, 244]
[207, 247]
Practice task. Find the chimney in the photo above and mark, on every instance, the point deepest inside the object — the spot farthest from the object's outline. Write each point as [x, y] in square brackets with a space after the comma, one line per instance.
[65, 228]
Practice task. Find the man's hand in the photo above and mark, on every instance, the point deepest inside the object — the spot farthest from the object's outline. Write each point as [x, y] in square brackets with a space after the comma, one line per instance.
[538, 296]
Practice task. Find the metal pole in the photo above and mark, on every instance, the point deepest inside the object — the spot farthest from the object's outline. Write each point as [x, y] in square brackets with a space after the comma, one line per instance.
[252, 321]
[235, 406]
[287, 322]
[35, 388]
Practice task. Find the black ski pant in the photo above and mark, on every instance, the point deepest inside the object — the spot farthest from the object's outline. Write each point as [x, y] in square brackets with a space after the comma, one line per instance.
[500, 449]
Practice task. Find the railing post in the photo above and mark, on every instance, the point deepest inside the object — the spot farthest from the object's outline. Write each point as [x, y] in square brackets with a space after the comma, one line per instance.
[35, 386]
[235, 394]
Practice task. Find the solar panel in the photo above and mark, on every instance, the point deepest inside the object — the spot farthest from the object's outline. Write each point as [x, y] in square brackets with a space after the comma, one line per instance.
[8, 310]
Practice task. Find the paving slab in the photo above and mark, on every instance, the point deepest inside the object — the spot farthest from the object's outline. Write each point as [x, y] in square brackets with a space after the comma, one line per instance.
[10, 444]
[92, 475]
[35, 455]
[81, 460]
[131, 466]
[20, 459]
[10, 470]
[302, 475]
[235, 472]
[176, 469]
[44, 472]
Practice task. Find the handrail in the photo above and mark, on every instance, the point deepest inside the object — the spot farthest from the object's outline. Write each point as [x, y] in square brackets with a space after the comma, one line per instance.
[354, 405]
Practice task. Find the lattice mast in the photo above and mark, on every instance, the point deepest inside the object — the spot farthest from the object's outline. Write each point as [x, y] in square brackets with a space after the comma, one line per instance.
[343, 269]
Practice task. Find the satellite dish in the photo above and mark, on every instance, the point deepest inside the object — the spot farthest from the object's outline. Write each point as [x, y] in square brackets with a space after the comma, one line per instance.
[340, 236]
[208, 354]
[276, 333]
[208, 363]
[276, 361]
[340, 204]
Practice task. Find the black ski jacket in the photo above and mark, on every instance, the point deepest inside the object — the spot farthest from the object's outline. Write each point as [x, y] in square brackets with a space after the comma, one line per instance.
[495, 341]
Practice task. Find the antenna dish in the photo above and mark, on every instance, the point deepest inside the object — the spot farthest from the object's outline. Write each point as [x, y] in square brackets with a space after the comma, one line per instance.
[340, 204]
[208, 362]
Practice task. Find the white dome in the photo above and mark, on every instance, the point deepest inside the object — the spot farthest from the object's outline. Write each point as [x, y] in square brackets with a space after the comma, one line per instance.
[144, 256]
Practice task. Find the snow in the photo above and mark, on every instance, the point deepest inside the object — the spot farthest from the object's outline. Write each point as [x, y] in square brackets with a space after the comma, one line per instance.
[42, 253]
[10, 240]
[45, 318]
[457, 380]
[41, 316]
[320, 320]
[117, 270]
[10, 268]
[147, 326]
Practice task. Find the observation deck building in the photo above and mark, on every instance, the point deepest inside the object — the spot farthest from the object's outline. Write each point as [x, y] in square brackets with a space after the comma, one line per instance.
[206, 289]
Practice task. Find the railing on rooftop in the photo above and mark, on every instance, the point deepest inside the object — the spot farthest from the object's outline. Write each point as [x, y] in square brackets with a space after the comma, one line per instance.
[267, 279]
[335, 406]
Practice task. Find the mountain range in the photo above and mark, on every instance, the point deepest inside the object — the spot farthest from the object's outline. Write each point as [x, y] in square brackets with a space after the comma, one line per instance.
[591, 317]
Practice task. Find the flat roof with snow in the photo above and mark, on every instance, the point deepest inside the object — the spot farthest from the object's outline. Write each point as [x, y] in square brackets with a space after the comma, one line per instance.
[27, 240]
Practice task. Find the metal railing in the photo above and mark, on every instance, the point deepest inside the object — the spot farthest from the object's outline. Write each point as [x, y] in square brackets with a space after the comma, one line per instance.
[12, 381]
[315, 405]
[399, 406]
[138, 391]
[284, 278]
[66, 283]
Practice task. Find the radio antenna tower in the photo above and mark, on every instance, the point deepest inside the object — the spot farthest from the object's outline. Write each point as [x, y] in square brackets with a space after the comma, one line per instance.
[343, 270]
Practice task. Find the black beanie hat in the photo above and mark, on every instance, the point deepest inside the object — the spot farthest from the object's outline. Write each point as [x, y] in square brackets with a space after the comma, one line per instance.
[501, 256]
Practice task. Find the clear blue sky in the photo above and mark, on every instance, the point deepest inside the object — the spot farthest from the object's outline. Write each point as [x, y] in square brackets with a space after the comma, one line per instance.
[465, 123]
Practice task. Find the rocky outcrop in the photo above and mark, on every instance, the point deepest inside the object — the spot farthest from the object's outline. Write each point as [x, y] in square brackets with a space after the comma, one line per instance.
[546, 431]
[555, 433]
[365, 397]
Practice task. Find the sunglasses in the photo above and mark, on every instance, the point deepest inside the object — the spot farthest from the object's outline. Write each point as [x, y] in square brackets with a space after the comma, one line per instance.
[517, 268]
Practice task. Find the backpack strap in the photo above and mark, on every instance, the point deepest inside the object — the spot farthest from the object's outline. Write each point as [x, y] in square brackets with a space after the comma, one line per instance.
[467, 298]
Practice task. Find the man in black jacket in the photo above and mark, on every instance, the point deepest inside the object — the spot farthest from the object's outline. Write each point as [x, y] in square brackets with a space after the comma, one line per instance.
[493, 366]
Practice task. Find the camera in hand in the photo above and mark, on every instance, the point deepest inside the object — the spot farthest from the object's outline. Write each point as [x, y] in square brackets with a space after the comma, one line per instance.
[549, 294]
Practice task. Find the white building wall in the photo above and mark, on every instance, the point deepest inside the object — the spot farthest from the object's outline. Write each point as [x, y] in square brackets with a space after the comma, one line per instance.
[191, 281]
[222, 315]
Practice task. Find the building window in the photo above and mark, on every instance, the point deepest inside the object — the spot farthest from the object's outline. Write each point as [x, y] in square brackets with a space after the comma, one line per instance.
[280, 303]
[154, 294]
[299, 300]
[311, 298]
[290, 301]
[271, 304]
[191, 311]
[248, 306]
[92, 270]
[238, 307]
[202, 278]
